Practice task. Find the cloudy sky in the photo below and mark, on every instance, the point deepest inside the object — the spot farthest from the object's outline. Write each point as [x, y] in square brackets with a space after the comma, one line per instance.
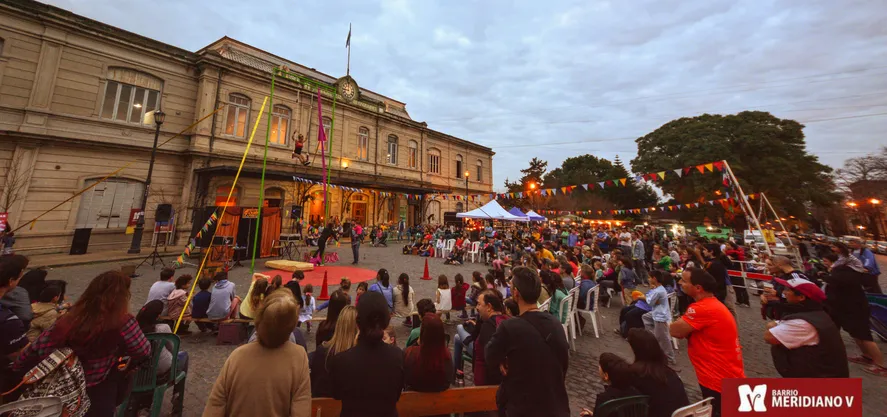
[557, 78]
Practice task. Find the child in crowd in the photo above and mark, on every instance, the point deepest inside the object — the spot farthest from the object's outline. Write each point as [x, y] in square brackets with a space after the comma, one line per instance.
[656, 321]
[161, 289]
[459, 290]
[425, 249]
[423, 307]
[176, 302]
[221, 301]
[254, 296]
[477, 286]
[307, 312]
[201, 304]
[361, 288]
[443, 298]
[627, 278]
[618, 379]
[390, 337]
[46, 311]
[598, 271]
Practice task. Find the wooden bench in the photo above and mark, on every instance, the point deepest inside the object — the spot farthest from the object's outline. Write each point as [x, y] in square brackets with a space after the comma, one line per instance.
[417, 404]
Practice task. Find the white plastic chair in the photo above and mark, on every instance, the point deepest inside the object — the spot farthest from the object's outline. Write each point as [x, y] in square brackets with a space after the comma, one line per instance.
[566, 305]
[448, 249]
[439, 245]
[700, 409]
[613, 294]
[672, 311]
[545, 304]
[591, 300]
[574, 311]
[474, 251]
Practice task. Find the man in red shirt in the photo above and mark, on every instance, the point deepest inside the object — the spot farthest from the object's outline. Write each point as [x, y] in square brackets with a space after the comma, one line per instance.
[712, 336]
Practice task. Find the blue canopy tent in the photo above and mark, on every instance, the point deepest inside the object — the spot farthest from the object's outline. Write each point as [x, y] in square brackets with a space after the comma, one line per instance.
[535, 217]
[516, 211]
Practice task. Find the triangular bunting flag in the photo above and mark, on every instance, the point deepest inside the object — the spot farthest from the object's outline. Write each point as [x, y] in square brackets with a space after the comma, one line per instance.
[661, 174]
[679, 171]
[622, 180]
[585, 186]
[701, 168]
[709, 167]
[719, 165]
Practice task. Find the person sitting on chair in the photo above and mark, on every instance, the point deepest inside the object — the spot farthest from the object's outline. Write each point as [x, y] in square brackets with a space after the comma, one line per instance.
[616, 374]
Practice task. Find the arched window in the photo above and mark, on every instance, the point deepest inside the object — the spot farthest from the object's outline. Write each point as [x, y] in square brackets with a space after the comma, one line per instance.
[327, 125]
[392, 150]
[129, 94]
[2, 43]
[414, 154]
[433, 161]
[108, 204]
[458, 166]
[460, 207]
[480, 171]
[274, 197]
[238, 115]
[363, 143]
[280, 123]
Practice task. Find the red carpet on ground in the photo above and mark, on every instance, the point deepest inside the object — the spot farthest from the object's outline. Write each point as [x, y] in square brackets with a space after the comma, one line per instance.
[334, 274]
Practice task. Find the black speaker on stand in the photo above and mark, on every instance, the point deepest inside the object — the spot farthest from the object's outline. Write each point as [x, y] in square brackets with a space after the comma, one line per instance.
[161, 215]
[81, 241]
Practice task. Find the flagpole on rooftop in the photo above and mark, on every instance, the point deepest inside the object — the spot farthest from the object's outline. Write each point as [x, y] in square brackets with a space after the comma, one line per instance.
[348, 47]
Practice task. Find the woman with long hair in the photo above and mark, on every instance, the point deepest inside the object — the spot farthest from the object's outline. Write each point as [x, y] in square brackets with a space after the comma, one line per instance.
[555, 286]
[368, 378]
[652, 376]
[343, 339]
[382, 285]
[428, 367]
[404, 296]
[98, 328]
[327, 328]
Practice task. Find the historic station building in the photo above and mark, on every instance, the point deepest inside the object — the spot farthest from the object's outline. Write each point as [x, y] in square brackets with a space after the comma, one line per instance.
[74, 93]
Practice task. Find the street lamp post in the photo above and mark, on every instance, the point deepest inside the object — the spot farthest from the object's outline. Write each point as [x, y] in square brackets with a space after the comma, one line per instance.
[532, 188]
[467, 174]
[136, 245]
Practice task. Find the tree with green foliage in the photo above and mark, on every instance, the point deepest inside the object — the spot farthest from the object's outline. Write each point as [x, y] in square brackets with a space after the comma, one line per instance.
[532, 175]
[767, 154]
[585, 169]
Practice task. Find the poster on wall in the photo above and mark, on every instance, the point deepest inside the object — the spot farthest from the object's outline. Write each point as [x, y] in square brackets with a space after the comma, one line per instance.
[3, 218]
[134, 215]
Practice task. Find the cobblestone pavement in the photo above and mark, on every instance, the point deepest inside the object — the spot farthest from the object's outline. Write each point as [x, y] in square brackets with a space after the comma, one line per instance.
[583, 381]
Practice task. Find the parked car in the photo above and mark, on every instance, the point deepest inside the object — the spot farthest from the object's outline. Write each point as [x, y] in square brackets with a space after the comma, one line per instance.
[880, 247]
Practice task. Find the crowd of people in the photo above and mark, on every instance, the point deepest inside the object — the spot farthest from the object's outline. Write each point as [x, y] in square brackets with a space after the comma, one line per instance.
[502, 333]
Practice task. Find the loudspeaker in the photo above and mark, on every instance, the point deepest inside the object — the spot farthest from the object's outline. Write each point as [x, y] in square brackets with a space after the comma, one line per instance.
[163, 213]
[296, 212]
[81, 241]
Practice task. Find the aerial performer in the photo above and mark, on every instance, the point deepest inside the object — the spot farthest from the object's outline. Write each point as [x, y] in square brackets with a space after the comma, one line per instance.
[297, 151]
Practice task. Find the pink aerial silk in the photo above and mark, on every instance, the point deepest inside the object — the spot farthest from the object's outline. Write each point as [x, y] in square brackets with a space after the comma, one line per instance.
[321, 137]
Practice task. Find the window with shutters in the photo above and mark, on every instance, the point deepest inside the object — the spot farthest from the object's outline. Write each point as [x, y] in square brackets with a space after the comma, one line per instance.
[434, 161]
[363, 144]
[280, 123]
[414, 154]
[108, 204]
[458, 172]
[392, 150]
[238, 115]
[480, 171]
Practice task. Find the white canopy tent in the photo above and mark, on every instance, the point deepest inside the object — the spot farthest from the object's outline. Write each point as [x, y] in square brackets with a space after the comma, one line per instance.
[490, 211]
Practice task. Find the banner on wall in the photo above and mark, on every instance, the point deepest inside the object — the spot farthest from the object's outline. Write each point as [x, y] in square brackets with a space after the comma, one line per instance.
[134, 215]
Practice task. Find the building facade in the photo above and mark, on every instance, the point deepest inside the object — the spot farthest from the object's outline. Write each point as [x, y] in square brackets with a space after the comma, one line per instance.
[73, 98]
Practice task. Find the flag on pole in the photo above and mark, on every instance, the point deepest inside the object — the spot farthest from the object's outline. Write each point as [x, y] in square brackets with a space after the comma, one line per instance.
[348, 39]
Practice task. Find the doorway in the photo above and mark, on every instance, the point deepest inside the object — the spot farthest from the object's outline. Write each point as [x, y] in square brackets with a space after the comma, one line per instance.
[359, 209]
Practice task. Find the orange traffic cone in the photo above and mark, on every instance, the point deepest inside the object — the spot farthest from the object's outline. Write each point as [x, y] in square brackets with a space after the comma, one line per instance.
[325, 289]
[425, 276]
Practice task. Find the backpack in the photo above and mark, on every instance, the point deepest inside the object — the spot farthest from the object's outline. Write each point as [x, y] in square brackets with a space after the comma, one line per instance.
[59, 375]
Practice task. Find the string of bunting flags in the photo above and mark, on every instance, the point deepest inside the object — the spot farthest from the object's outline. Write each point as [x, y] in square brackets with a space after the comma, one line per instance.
[190, 246]
[640, 178]
[724, 202]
